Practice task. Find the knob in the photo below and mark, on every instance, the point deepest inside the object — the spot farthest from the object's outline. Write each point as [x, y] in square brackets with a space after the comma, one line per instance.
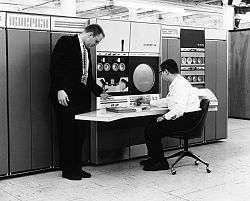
[122, 66]
[115, 67]
[106, 66]
[99, 67]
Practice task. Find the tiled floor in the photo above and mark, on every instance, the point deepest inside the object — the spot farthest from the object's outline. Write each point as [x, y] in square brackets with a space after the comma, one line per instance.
[229, 180]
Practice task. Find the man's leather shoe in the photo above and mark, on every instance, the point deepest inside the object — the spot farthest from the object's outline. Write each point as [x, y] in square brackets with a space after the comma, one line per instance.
[149, 161]
[71, 176]
[146, 161]
[85, 174]
[160, 165]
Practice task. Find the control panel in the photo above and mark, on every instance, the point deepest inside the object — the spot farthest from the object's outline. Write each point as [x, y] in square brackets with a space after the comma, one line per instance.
[112, 72]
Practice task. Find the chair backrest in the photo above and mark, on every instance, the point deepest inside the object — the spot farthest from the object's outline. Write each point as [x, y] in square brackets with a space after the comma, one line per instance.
[196, 131]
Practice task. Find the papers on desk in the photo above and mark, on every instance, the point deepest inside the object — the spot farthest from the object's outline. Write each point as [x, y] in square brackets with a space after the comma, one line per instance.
[208, 94]
[127, 109]
[120, 109]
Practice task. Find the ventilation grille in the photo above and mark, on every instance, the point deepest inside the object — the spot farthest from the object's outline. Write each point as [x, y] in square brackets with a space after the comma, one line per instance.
[2, 19]
[22, 21]
[68, 24]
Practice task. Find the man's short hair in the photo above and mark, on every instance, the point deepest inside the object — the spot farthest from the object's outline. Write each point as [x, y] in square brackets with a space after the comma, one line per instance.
[96, 29]
[170, 65]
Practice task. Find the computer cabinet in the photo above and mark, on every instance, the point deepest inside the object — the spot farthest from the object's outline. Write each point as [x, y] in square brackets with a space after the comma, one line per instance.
[29, 107]
[215, 80]
[54, 36]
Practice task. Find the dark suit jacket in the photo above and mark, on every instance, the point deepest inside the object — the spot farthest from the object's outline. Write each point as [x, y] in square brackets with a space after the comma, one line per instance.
[66, 72]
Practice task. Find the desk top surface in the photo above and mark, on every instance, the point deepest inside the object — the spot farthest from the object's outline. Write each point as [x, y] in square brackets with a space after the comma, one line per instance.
[106, 116]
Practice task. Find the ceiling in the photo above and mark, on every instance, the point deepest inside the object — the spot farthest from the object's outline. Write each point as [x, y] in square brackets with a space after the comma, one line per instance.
[172, 12]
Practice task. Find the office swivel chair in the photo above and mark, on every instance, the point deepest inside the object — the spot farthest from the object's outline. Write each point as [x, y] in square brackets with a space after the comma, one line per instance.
[191, 133]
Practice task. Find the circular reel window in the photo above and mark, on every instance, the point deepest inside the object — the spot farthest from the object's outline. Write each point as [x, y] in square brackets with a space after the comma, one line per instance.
[143, 77]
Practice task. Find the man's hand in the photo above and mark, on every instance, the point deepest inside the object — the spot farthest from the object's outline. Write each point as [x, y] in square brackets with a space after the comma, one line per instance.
[105, 96]
[62, 97]
[161, 118]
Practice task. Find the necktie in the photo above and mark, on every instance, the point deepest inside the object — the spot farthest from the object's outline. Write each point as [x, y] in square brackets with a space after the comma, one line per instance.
[85, 62]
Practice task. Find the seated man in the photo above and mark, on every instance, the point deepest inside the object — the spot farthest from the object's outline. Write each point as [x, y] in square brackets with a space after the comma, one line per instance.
[183, 104]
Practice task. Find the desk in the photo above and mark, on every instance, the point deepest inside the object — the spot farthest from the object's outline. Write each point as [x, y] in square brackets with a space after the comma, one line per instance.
[119, 136]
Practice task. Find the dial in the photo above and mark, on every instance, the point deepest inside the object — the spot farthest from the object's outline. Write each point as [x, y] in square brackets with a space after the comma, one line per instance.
[122, 67]
[115, 67]
[189, 60]
[99, 67]
[194, 60]
[200, 60]
[106, 66]
[183, 60]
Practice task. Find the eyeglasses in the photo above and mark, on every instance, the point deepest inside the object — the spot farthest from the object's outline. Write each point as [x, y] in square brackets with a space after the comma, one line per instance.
[97, 41]
[163, 71]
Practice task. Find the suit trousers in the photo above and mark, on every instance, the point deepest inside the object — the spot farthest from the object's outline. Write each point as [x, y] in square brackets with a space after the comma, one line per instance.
[71, 137]
[155, 131]
[71, 132]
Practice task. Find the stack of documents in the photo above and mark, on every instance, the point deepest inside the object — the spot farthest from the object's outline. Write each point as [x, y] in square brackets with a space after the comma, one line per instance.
[120, 109]
[208, 94]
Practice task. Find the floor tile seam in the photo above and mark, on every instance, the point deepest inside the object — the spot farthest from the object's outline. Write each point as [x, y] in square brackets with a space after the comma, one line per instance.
[238, 129]
[201, 189]
[169, 193]
[11, 195]
[180, 197]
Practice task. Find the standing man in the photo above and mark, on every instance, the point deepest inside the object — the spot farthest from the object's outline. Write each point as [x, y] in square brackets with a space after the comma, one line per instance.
[72, 82]
[184, 106]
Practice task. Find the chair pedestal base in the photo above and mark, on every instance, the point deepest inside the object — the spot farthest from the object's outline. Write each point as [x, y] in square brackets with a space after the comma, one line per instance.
[184, 153]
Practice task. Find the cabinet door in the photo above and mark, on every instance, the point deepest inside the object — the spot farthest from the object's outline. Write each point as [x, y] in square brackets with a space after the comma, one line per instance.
[55, 137]
[222, 91]
[3, 106]
[116, 36]
[210, 80]
[145, 37]
[19, 100]
[40, 104]
[170, 50]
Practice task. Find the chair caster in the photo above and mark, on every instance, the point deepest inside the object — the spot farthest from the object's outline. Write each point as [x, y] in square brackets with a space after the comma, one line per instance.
[173, 171]
[208, 170]
[196, 163]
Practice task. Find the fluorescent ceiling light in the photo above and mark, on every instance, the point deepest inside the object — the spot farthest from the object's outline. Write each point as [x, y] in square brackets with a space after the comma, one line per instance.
[151, 6]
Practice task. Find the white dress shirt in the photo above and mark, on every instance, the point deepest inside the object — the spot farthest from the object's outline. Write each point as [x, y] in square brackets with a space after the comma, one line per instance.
[182, 98]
